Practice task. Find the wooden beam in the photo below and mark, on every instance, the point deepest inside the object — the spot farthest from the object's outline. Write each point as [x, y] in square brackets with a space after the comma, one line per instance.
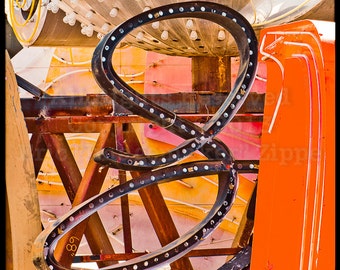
[23, 223]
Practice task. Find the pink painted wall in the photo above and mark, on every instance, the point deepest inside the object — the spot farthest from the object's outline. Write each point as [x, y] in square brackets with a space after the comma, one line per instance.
[171, 74]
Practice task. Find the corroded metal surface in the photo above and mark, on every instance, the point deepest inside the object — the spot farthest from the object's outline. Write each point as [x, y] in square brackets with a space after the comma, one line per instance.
[165, 167]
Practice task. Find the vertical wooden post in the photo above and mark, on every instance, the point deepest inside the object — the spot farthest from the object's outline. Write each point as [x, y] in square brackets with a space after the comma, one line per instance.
[22, 196]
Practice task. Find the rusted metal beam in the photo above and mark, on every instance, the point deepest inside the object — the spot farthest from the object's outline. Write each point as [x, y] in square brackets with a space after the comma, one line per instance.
[39, 150]
[93, 124]
[101, 104]
[128, 256]
[64, 161]
[211, 73]
[155, 205]
[67, 105]
[89, 186]
[72, 180]
[124, 200]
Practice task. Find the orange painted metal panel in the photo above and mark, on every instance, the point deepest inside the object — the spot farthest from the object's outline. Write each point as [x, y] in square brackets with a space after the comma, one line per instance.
[295, 209]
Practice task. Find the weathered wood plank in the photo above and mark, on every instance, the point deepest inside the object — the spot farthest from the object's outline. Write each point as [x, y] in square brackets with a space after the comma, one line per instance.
[22, 195]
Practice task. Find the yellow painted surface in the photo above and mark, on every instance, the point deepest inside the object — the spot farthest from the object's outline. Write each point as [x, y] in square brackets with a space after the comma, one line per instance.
[22, 197]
